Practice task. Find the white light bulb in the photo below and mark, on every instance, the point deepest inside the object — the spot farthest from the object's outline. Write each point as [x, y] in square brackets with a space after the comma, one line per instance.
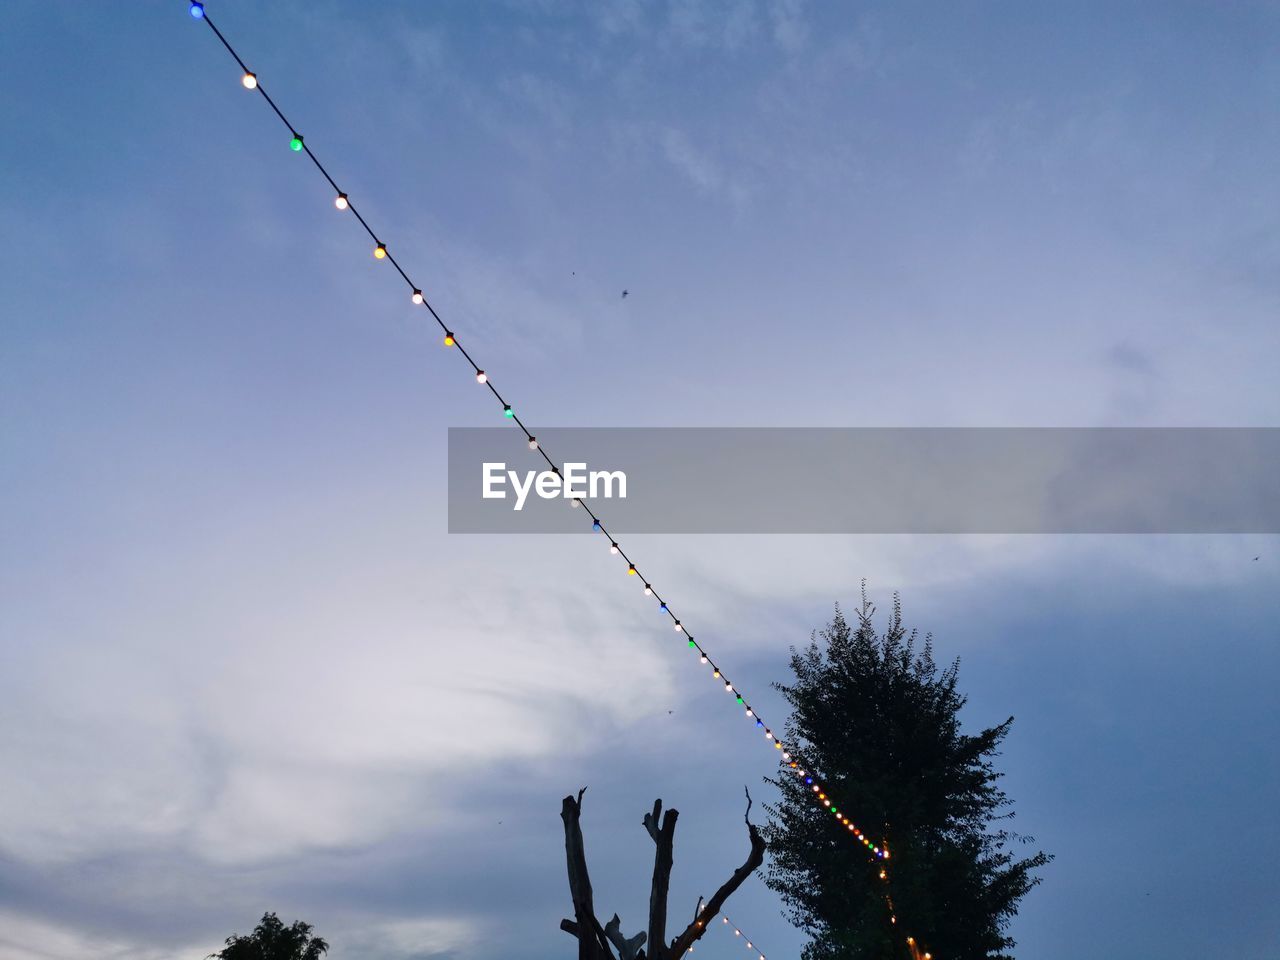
[417, 296]
[250, 81]
[613, 548]
[340, 201]
[481, 377]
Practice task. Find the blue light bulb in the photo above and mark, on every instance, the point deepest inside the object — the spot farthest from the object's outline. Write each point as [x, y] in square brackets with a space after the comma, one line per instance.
[197, 10]
[595, 524]
[663, 608]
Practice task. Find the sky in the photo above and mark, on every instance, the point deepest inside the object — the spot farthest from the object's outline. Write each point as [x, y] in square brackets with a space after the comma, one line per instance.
[243, 665]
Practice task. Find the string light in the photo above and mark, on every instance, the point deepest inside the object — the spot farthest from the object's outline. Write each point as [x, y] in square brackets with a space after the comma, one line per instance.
[507, 411]
[416, 297]
[613, 548]
[648, 590]
[737, 932]
[342, 202]
[631, 570]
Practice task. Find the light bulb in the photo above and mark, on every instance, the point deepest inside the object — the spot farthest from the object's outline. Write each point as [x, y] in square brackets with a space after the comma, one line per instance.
[749, 713]
[507, 411]
[631, 570]
[533, 443]
[481, 377]
[648, 590]
[380, 251]
[448, 339]
[703, 658]
[296, 143]
[340, 201]
[715, 673]
[575, 503]
[595, 524]
[417, 296]
[728, 687]
[676, 626]
[197, 10]
[613, 548]
[250, 81]
[768, 734]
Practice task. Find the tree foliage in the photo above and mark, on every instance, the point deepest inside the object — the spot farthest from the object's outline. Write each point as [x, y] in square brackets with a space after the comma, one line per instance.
[272, 940]
[874, 715]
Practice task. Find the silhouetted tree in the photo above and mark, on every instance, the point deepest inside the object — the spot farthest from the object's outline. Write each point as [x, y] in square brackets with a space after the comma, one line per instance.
[874, 717]
[597, 941]
[272, 940]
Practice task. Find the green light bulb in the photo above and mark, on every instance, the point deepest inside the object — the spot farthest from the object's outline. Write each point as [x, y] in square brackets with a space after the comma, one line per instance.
[295, 144]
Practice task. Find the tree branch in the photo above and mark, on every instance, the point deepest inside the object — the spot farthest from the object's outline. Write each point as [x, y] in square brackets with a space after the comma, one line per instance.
[663, 858]
[589, 948]
[627, 949]
[681, 944]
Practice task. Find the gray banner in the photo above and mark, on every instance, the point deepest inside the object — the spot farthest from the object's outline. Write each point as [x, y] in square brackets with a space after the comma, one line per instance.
[877, 480]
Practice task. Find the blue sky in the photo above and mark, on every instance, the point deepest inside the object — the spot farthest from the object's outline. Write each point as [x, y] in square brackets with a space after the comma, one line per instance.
[243, 666]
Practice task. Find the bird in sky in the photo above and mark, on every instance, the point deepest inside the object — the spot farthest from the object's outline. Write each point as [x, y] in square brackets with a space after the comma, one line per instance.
[625, 294]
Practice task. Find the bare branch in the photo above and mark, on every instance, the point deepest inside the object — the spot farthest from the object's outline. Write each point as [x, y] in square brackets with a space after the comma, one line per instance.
[627, 949]
[651, 820]
[580, 882]
[680, 946]
[663, 859]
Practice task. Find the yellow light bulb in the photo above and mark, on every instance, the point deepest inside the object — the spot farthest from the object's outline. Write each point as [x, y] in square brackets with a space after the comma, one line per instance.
[380, 251]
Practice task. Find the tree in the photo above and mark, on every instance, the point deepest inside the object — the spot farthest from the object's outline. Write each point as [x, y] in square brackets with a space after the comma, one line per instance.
[874, 716]
[272, 940]
[595, 940]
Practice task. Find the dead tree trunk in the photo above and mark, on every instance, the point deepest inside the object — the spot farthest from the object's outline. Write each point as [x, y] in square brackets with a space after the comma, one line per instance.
[594, 940]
